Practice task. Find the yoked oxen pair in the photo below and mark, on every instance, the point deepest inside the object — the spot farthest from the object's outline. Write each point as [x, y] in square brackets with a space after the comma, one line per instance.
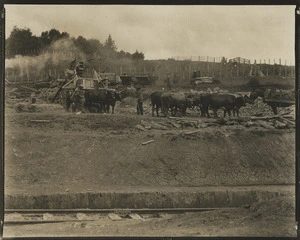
[102, 98]
[228, 102]
[175, 101]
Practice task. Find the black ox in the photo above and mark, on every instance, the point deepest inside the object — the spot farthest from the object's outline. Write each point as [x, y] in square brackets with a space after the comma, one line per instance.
[227, 101]
[156, 102]
[102, 99]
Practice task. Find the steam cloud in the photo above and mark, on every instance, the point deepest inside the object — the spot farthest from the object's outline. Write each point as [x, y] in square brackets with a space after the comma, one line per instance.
[33, 66]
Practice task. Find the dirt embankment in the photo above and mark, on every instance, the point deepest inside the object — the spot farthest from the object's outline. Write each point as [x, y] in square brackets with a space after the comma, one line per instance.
[74, 153]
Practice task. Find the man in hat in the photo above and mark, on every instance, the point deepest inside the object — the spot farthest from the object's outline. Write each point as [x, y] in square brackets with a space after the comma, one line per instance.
[139, 96]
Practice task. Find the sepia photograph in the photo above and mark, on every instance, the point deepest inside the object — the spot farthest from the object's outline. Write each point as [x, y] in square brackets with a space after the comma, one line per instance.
[149, 121]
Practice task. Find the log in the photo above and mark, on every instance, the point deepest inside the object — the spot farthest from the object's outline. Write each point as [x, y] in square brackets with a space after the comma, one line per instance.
[145, 143]
[289, 121]
[30, 89]
[279, 101]
[140, 127]
[180, 118]
[40, 121]
[175, 124]
[158, 126]
[189, 133]
[281, 114]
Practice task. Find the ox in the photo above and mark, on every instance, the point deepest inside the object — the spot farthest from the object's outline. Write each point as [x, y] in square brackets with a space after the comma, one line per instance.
[156, 102]
[175, 101]
[113, 96]
[240, 101]
[102, 98]
[216, 101]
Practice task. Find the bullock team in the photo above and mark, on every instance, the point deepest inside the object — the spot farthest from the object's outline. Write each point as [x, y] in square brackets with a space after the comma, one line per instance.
[102, 99]
[174, 101]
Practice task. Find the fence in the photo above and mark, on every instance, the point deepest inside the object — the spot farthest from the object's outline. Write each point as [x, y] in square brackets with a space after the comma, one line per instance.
[180, 68]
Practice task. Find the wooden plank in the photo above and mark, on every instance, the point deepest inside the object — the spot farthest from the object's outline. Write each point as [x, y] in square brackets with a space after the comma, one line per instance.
[189, 133]
[150, 141]
[30, 89]
[279, 101]
[114, 217]
[289, 121]
[135, 216]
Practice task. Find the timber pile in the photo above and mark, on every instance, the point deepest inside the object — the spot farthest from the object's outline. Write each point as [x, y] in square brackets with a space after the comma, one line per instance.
[280, 121]
[280, 95]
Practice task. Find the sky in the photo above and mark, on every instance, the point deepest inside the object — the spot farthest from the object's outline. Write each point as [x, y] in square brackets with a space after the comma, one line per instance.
[162, 32]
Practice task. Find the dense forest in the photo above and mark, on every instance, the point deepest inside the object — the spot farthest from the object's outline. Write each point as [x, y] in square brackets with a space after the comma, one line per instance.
[23, 42]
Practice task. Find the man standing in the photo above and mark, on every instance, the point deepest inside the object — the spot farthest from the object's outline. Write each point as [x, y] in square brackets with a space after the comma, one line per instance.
[68, 100]
[79, 99]
[139, 96]
[169, 82]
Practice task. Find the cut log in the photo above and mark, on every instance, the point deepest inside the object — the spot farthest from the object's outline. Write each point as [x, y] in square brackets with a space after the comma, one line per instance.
[158, 126]
[175, 124]
[281, 114]
[140, 127]
[145, 143]
[288, 121]
[40, 121]
[189, 133]
[30, 89]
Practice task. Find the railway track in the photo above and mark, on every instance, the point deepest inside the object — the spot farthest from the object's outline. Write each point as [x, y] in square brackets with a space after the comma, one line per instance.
[36, 216]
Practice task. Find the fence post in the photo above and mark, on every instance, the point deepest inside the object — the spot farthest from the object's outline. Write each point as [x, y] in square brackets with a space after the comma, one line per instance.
[220, 70]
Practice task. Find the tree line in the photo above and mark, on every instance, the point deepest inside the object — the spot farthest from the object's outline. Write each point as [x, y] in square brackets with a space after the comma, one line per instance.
[23, 42]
